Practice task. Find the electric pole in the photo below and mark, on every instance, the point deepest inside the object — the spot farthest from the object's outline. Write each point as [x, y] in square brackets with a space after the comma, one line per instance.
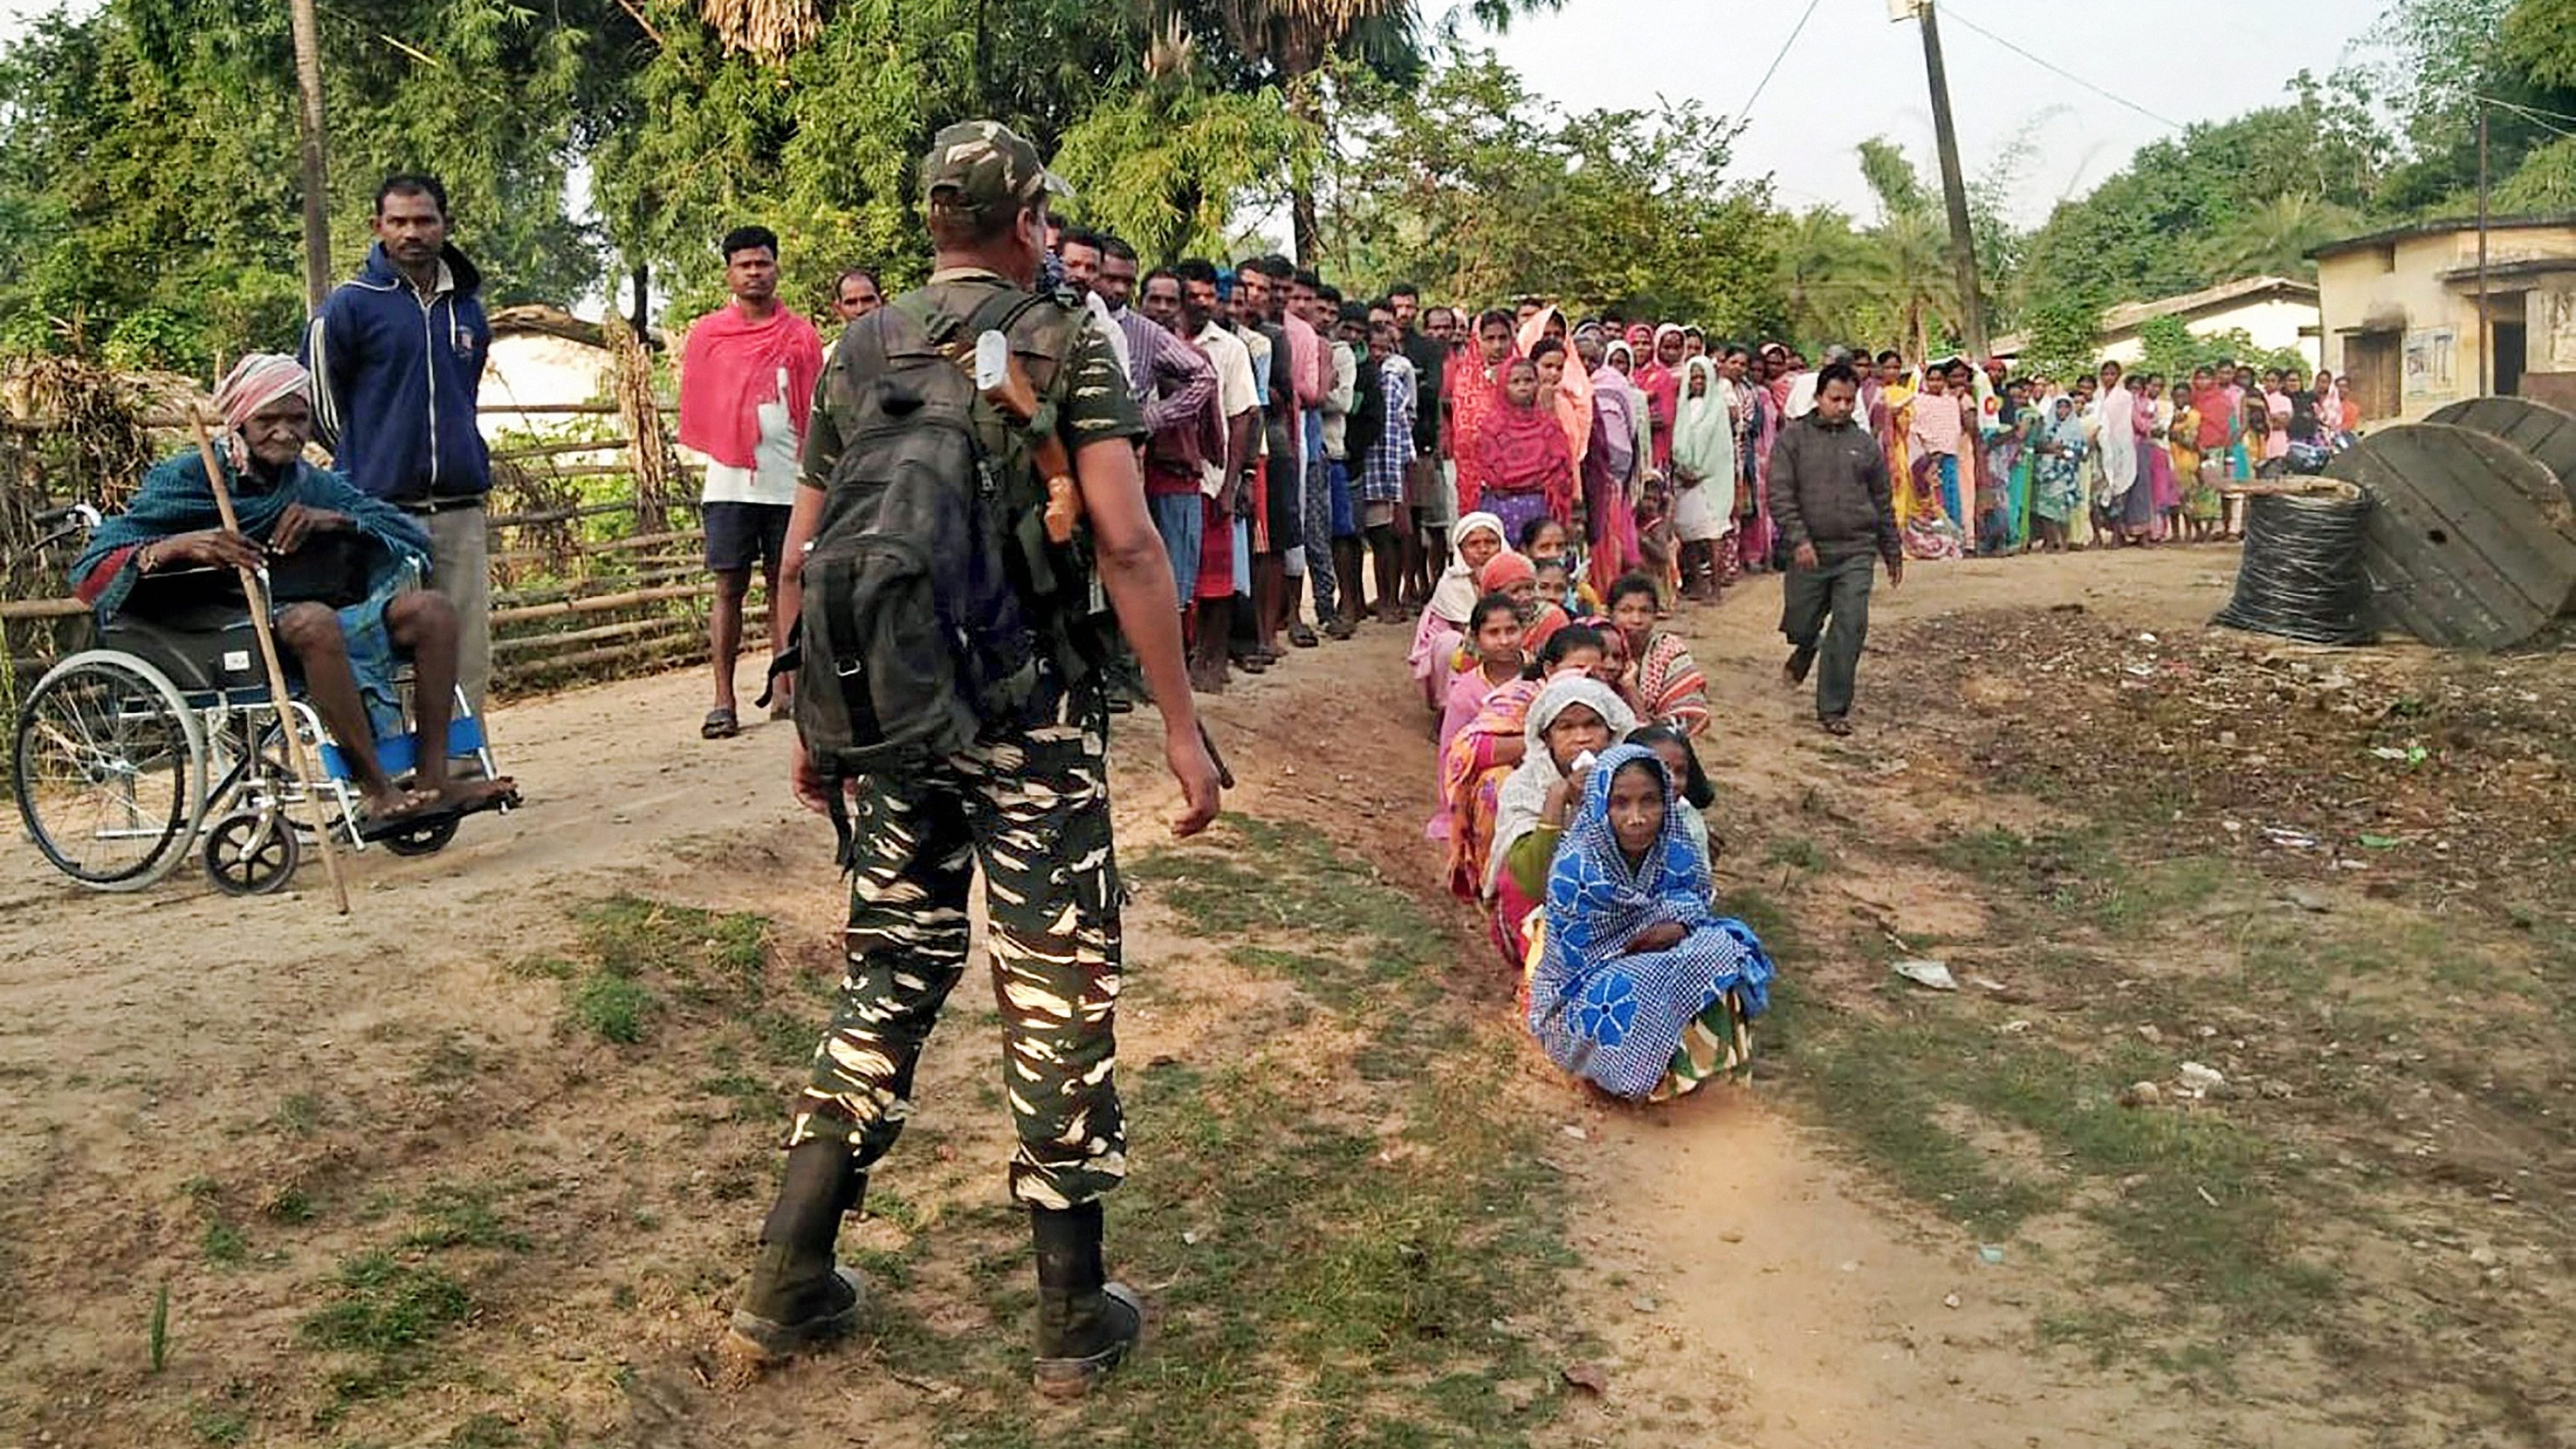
[317, 192]
[1954, 187]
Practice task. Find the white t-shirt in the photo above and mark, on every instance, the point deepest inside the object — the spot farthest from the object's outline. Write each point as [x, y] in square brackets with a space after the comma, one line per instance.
[772, 478]
[1237, 392]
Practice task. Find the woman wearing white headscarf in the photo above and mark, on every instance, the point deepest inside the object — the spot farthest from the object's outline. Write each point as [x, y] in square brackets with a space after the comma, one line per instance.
[1704, 474]
[1574, 720]
[1473, 542]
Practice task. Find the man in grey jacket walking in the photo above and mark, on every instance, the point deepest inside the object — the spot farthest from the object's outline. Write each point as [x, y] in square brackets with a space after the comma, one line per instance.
[1830, 498]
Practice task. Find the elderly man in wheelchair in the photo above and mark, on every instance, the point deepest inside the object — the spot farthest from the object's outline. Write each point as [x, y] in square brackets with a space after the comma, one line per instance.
[345, 598]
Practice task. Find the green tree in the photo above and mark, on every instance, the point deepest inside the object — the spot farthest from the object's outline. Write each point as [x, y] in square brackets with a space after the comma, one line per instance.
[1480, 191]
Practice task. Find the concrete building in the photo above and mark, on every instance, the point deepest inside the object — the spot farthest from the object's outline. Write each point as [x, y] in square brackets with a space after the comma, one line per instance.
[2278, 313]
[2401, 313]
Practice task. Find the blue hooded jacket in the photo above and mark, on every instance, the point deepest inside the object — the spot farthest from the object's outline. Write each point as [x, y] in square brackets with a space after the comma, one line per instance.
[395, 381]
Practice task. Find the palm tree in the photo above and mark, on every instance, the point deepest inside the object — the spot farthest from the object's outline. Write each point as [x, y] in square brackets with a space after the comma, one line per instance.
[1823, 273]
[2274, 238]
[1908, 263]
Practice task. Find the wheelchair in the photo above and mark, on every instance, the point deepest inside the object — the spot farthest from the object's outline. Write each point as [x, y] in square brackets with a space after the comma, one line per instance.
[161, 740]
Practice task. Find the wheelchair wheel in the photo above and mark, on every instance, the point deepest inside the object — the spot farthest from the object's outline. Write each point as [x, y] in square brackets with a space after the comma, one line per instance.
[425, 839]
[109, 766]
[252, 853]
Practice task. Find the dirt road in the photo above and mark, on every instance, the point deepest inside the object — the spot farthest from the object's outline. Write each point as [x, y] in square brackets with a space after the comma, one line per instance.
[182, 1061]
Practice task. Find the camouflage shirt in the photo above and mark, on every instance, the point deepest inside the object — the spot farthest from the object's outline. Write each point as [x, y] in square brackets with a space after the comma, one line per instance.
[1093, 401]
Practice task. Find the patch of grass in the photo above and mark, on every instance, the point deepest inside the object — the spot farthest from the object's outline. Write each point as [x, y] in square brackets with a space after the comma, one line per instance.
[610, 1007]
[454, 1216]
[300, 1113]
[225, 1243]
[219, 1425]
[484, 1431]
[289, 1205]
[1797, 852]
[384, 1314]
[629, 936]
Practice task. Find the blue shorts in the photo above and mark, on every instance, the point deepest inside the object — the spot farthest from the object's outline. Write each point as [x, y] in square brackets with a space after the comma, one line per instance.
[1339, 475]
[1180, 519]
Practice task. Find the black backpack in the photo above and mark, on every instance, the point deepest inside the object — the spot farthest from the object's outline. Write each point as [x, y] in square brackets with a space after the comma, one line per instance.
[931, 593]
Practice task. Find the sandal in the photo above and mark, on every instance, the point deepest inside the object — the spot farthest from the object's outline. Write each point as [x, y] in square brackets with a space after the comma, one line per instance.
[720, 724]
[1835, 724]
[422, 809]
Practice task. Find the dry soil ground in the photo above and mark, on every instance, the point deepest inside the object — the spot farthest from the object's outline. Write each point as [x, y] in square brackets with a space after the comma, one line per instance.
[480, 1164]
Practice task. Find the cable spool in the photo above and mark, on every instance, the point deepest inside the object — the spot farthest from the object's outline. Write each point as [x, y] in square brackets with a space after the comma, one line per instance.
[2301, 577]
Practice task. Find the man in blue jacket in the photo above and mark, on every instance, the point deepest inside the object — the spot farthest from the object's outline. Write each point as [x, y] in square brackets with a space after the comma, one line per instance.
[397, 357]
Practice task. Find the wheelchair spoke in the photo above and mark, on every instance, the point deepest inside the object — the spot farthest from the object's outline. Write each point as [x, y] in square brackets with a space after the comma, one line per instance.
[104, 770]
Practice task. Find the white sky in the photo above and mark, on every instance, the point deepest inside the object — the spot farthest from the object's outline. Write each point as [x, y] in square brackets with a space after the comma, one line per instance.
[1852, 75]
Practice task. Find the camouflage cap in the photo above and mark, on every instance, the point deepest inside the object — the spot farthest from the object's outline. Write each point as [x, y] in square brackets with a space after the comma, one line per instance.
[976, 165]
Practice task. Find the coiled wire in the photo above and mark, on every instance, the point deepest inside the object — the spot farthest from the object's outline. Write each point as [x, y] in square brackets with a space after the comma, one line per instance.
[2301, 577]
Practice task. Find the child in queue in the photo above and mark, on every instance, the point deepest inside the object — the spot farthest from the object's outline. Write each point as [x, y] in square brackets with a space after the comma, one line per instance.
[1494, 632]
[1682, 762]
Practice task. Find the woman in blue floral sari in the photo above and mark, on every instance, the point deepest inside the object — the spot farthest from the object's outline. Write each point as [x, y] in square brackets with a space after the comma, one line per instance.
[1641, 989]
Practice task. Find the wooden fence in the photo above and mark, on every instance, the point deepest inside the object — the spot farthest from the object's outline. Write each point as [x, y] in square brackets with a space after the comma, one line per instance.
[589, 580]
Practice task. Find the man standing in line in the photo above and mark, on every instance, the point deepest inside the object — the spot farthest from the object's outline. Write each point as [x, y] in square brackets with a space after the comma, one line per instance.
[1431, 491]
[1171, 381]
[1222, 542]
[1182, 449]
[1831, 503]
[1337, 608]
[1378, 492]
[1027, 801]
[746, 392]
[856, 294]
[1274, 511]
[397, 357]
[1304, 360]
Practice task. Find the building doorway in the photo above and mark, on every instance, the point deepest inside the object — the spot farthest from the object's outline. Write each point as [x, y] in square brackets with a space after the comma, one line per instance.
[2509, 340]
[2373, 361]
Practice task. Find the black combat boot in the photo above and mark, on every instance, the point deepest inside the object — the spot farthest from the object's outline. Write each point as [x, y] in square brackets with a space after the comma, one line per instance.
[1086, 1323]
[797, 1297]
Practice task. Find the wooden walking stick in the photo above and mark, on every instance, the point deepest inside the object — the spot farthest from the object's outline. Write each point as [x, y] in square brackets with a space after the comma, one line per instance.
[255, 590]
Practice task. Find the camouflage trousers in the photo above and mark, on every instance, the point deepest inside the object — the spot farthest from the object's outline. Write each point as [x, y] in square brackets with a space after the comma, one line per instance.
[1033, 811]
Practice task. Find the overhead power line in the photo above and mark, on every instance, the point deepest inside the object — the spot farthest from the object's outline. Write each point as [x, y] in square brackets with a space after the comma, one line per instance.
[1745, 112]
[1952, 12]
[2545, 120]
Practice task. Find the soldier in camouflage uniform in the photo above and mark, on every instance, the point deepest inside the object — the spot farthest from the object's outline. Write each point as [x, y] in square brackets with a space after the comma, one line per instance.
[1028, 803]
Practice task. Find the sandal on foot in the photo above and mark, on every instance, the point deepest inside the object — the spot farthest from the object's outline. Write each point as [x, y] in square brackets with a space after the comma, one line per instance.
[1835, 724]
[720, 724]
[426, 810]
